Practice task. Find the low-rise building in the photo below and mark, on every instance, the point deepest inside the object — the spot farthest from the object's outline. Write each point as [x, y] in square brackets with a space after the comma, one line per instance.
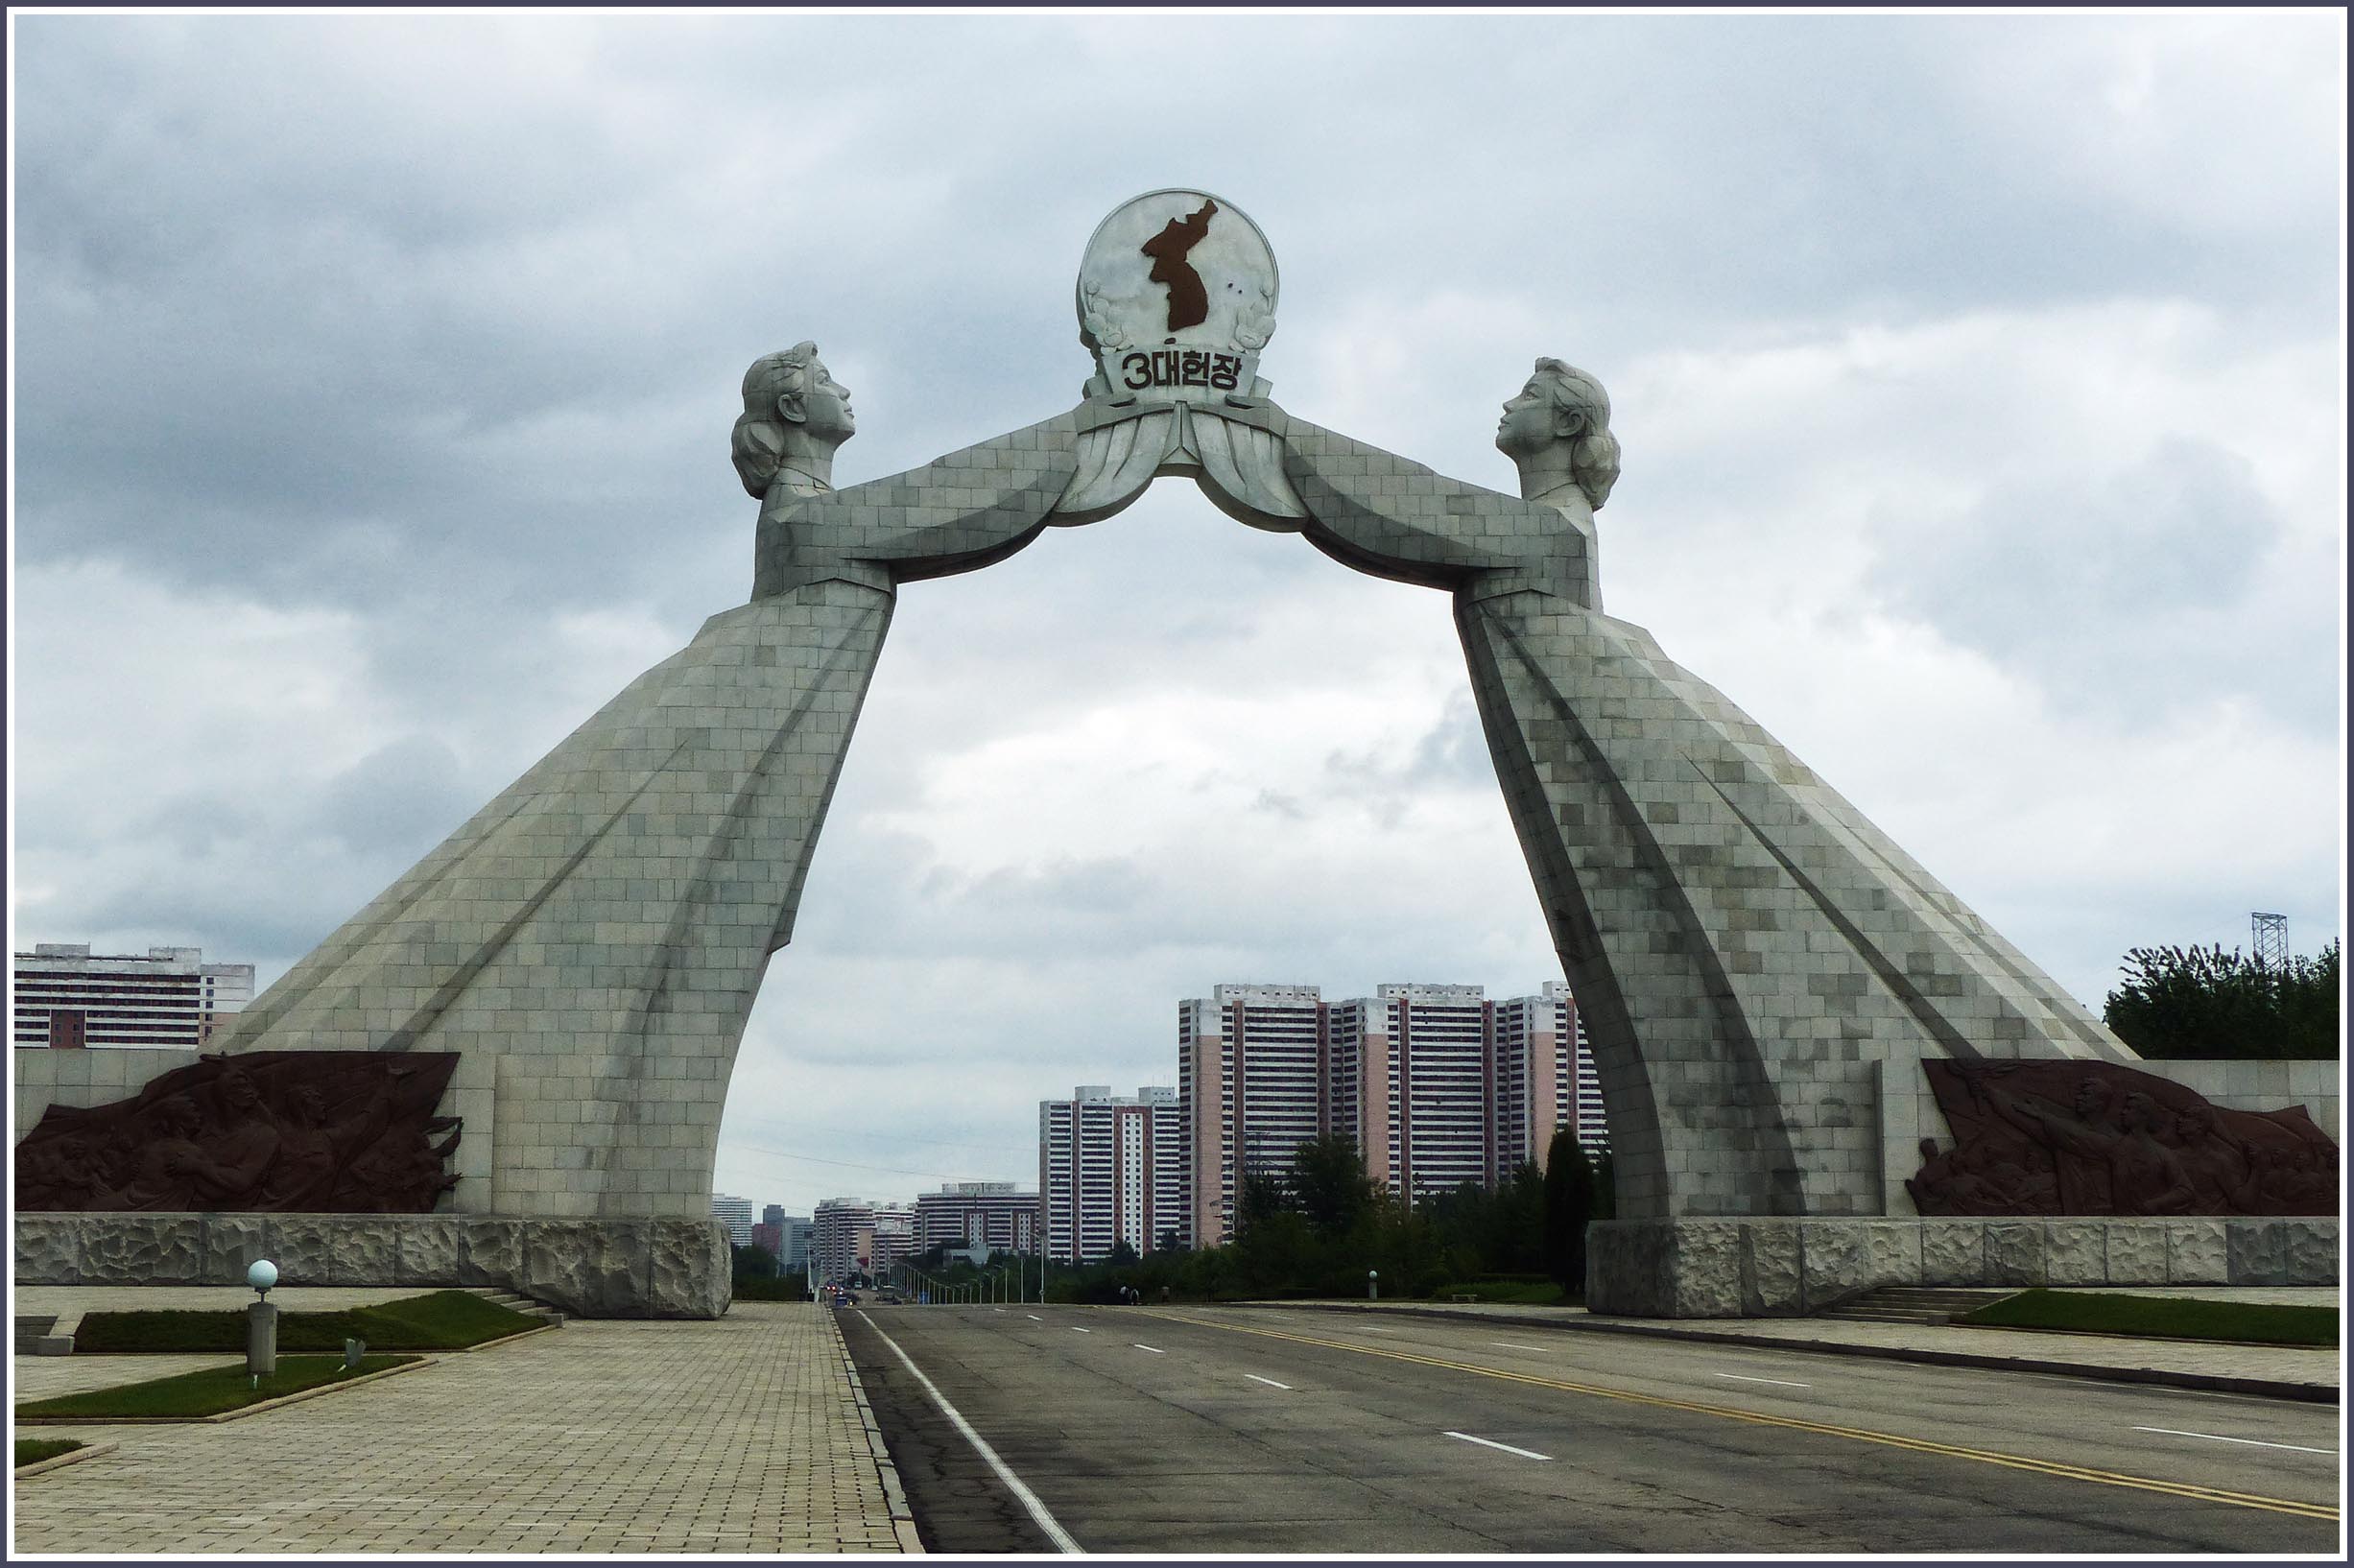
[63, 995]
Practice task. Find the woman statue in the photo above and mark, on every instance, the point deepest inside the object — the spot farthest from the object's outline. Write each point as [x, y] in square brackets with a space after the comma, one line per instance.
[602, 927]
[1745, 947]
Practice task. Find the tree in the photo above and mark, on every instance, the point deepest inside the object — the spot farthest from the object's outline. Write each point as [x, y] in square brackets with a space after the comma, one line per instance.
[2207, 1002]
[1329, 1183]
[751, 1262]
[1569, 1203]
[1260, 1197]
[1122, 1255]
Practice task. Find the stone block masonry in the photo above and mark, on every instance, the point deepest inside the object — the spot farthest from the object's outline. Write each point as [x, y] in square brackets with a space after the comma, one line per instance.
[1765, 1268]
[591, 1268]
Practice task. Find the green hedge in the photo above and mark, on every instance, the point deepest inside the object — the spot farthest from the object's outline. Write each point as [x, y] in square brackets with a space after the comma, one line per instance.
[442, 1321]
[34, 1450]
[2160, 1316]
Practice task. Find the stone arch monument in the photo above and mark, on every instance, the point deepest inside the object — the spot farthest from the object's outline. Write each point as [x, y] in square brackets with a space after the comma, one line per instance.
[1761, 972]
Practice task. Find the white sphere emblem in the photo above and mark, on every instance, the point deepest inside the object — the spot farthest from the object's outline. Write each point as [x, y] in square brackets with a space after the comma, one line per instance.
[262, 1275]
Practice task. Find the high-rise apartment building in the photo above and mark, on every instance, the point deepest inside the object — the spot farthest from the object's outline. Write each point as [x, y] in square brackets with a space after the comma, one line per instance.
[840, 1237]
[1546, 1077]
[1253, 1078]
[1111, 1171]
[64, 996]
[1423, 1085]
[1437, 1086]
[893, 1239]
[990, 1214]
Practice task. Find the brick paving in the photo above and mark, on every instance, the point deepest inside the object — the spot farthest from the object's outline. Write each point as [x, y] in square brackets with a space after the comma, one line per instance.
[741, 1435]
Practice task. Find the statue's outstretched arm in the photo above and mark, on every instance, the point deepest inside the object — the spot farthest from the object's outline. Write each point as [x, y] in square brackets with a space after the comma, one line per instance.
[956, 514]
[1392, 518]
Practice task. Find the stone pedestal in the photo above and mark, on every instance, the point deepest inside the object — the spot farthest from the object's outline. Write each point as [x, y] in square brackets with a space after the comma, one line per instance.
[1740, 1268]
[589, 1267]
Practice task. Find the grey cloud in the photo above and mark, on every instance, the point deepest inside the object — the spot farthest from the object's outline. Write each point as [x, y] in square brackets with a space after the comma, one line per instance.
[1280, 805]
[1452, 755]
[2127, 592]
[401, 799]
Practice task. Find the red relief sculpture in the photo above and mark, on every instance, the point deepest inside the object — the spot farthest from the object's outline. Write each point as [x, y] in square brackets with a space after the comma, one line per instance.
[2091, 1137]
[276, 1132]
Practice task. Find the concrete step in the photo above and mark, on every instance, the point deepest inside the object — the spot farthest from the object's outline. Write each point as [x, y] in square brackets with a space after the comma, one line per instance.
[1912, 1304]
[515, 1301]
[37, 1336]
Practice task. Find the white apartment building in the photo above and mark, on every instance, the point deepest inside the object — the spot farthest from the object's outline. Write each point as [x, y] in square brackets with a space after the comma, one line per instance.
[991, 1214]
[893, 1239]
[1111, 1171]
[853, 1235]
[1252, 1076]
[64, 997]
[736, 1213]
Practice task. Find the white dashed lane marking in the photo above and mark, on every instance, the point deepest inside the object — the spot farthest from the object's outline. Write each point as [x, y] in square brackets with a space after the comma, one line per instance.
[1490, 1442]
[1155, 1350]
[1268, 1381]
[1777, 1382]
[2295, 1448]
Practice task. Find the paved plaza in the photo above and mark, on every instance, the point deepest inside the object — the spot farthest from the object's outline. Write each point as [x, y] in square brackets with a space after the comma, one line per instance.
[741, 1435]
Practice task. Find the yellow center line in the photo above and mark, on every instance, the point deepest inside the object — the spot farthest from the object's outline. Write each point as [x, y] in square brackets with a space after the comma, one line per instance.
[1918, 1445]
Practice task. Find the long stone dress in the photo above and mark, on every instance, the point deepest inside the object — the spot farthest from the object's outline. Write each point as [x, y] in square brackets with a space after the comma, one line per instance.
[598, 933]
[1757, 966]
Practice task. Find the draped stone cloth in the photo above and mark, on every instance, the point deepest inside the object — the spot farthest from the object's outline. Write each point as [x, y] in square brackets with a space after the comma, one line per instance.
[1750, 956]
[600, 929]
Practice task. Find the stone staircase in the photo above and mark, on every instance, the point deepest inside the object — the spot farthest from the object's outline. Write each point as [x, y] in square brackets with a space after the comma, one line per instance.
[513, 1301]
[37, 1336]
[1912, 1304]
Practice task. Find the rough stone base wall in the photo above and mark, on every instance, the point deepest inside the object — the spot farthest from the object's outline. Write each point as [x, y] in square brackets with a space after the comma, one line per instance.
[1737, 1267]
[589, 1267]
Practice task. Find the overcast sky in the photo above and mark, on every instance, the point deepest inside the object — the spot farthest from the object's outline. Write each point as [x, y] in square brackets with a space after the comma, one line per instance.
[1980, 380]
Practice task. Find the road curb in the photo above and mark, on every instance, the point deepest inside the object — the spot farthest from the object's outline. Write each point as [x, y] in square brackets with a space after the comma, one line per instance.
[2312, 1393]
[58, 1462]
[894, 1494]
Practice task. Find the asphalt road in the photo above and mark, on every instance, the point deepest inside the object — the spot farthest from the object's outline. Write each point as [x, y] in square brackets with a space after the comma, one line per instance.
[1151, 1429]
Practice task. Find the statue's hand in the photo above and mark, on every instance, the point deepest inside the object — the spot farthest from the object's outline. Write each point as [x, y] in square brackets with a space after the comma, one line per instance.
[953, 514]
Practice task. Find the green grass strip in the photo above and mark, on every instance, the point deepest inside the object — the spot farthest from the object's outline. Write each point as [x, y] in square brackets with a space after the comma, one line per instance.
[209, 1392]
[34, 1450]
[441, 1320]
[2160, 1316]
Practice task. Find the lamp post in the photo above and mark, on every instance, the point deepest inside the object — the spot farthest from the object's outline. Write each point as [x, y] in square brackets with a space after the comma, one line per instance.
[261, 1321]
[1372, 1284]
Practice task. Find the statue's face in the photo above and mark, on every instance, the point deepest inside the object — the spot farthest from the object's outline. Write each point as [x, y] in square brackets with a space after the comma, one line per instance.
[1527, 425]
[825, 406]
